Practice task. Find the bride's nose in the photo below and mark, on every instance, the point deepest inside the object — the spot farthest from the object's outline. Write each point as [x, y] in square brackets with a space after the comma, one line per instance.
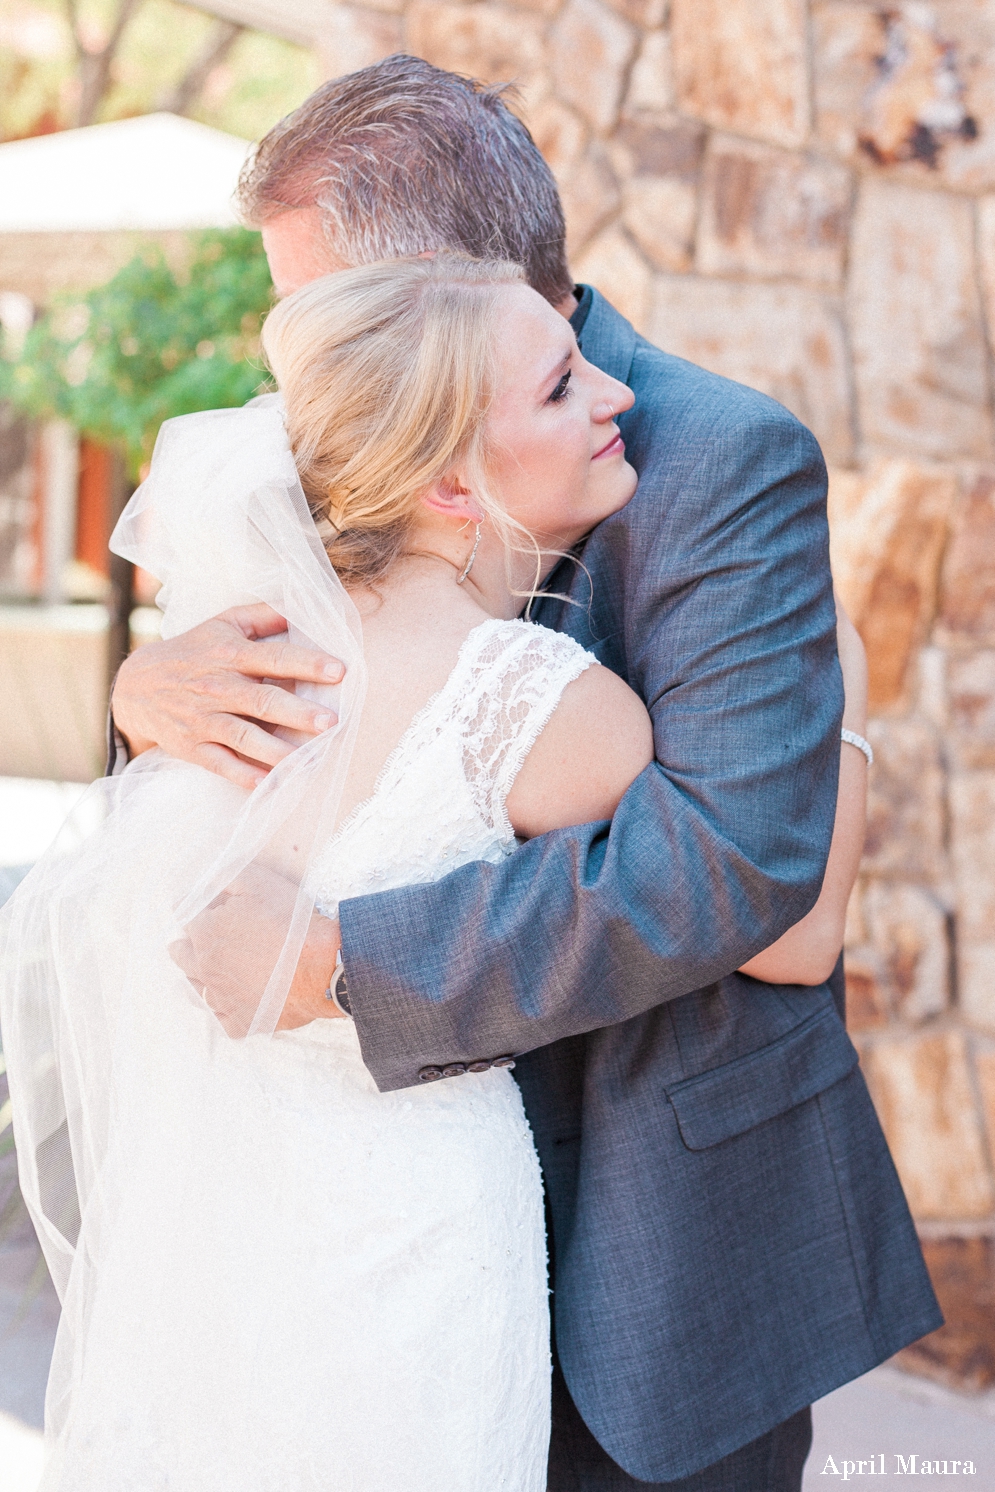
[620, 398]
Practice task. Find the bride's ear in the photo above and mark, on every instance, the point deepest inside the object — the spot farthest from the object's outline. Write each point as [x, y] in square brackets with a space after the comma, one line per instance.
[449, 497]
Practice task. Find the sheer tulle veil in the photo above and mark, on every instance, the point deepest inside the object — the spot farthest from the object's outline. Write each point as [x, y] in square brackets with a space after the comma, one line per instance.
[105, 1038]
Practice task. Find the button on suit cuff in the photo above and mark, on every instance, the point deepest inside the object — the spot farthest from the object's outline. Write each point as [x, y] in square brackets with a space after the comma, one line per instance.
[431, 1073]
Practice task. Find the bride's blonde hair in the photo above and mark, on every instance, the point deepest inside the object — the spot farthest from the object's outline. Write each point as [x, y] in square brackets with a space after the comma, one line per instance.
[387, 373]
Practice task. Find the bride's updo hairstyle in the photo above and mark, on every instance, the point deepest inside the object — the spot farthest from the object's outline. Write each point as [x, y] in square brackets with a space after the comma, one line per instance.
[387, 373]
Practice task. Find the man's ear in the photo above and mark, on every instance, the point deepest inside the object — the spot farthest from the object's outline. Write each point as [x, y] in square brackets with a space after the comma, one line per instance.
[449, 497]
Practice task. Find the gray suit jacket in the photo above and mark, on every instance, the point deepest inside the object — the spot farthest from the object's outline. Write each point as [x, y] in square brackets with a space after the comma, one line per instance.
[730, 1237]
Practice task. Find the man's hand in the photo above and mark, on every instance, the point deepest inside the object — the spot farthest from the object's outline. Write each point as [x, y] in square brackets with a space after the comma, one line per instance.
[203, 699]
[231, 948]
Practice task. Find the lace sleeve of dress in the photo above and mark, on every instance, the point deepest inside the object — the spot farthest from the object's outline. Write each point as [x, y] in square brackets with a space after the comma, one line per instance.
[520, 672]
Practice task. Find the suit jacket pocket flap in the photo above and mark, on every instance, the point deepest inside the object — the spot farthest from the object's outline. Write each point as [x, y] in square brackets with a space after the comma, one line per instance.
[733, 1098]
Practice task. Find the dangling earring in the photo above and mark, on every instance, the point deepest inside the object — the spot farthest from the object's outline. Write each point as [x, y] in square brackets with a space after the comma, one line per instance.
[473, 555]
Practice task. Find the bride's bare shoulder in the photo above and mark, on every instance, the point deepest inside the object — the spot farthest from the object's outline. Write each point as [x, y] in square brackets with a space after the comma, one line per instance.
[597, 741]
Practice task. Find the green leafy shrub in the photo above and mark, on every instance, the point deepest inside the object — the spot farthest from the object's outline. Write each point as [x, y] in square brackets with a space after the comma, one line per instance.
[149, 344]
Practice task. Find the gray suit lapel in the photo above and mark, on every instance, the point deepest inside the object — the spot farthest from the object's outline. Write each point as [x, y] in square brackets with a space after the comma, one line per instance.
[607, 340]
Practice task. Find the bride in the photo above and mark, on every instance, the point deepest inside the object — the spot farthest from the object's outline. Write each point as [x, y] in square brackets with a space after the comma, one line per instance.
[274, 1277]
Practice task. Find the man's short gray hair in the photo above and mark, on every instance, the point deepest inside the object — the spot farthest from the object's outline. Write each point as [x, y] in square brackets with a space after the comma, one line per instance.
[403, 158]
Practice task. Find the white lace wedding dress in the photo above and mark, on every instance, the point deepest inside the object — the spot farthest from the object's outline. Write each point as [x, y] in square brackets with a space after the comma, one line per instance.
[313, 1286]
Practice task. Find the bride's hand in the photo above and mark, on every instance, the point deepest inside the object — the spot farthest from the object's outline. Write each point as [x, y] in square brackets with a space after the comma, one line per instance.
[231, 948]
[203, 696]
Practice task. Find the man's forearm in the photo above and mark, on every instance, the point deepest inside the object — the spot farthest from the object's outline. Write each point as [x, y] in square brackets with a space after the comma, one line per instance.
[577, 930]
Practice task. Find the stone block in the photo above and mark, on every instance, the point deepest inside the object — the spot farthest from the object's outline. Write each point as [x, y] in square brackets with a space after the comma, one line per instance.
[908, 933]
[931, 694]
[491, 42]
[914, 109]
[986, 260]
[866, 996]
[911, 87]
[962, 1352]
[771, 212]
[786, 340]
[867, 1006]
[590, 52]
[897, 956]
[966, 29]
[660, 213]
[743, 67]
[540, 7]
[643, 13]
[971, 709]
[351, 38]
[590, 196]
[967, 591]
[659, 161]
[846, 42]
[560, 134]
[984, 1066]
[905, 804]
[887, 532]
[972, 854]
[855, 931]
[615, 267]
[663, 146]
[920, 357]
[651, 82]
[922, 1090]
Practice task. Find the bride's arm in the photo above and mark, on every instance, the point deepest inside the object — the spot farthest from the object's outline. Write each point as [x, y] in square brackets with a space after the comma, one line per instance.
[600, 738]
[807, 952]
[594, 746]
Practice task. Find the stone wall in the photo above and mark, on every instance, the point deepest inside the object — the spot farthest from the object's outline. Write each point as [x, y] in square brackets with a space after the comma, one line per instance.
[802, 196]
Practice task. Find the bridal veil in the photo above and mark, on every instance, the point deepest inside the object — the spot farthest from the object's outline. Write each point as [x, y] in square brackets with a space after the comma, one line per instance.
[104, 1036]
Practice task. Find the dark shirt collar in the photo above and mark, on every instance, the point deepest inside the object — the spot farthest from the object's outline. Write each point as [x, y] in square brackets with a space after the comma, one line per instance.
[585, 300]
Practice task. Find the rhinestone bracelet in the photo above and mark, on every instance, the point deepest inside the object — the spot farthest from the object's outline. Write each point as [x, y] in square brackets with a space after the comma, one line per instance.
[852, 739]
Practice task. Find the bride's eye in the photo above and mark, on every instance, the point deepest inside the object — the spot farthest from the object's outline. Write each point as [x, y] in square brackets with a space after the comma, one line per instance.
[561, 391]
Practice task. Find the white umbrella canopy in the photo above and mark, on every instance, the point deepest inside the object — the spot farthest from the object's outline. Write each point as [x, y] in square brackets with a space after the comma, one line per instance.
[154, 173]
[301, 21]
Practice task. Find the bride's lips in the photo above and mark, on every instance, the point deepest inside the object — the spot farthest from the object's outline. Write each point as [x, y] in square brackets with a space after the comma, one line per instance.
[615, 447]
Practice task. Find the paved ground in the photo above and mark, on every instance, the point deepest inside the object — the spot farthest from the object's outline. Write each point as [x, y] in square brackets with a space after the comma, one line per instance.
[26, 1335]
[31, 814]
[887, 1413]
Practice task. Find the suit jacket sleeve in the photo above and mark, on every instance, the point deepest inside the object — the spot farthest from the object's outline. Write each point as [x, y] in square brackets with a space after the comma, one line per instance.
[712, 596]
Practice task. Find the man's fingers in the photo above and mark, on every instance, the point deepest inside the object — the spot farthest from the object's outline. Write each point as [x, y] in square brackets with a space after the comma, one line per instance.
[256, 620]
[268, 702]
[248, 740]
[270, 654]
[206, 696]
[224, 763]
[275, 658]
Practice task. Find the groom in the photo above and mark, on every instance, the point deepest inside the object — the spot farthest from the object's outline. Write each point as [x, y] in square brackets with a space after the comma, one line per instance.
[729, 1239]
